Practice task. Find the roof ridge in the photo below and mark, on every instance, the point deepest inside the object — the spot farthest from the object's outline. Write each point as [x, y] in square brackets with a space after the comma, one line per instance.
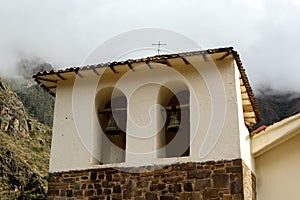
[130, 60]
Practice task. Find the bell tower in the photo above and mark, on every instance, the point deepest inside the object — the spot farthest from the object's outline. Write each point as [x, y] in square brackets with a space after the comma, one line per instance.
[170, 126]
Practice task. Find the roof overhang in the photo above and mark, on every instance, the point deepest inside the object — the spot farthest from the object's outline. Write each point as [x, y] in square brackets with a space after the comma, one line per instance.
[48, 79]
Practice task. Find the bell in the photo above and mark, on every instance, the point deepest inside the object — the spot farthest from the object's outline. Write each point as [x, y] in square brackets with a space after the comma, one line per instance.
[174, 123]
[112, 127]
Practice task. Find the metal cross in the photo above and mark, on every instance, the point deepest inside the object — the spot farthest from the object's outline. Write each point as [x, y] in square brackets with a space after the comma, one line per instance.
[158, 46]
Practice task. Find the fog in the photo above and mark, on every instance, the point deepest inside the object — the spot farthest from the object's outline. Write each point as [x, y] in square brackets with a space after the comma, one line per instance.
[63, 33]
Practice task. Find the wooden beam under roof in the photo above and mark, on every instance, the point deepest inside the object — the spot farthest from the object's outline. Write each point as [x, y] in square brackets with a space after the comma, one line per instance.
[46, 79]
[164, 61]
[94, 70]
[245, 95]
[204, 56]
[185, 60]
[224, 56]
[243, 89]
[148, 64]
[112, 67]
[78, 73]
[60, 76]
[129, 64]
[246, 102]
[249, 114]
[247, 108]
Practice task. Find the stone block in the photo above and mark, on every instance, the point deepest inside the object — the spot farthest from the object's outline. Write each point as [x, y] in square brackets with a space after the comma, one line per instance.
[175, 188]
[188, 187]
[99, 191]
[201, 184]
[89, 193]
[77, 186]
[234, 169]
[117, 189]
[151, 196]
[220, 180]
[210, 193]
[127, 194]
[117, 197]
[198, 174]
[106, 191]
[167, 198]
[78, 193]
[93, 176]
[236, 187]
[69, 193]
[190, 196]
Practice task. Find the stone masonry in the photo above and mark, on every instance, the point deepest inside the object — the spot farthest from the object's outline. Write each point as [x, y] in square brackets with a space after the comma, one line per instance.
[214, 180]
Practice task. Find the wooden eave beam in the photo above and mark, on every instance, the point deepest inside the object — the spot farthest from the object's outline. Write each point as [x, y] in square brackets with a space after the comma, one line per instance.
[204, 56]
[78, 73]
[95, 71]
[185, 60]
[148, 64]
[166, 62]
[46, 79]
[112, 67]
[60, 76]
[130, 66]
[224, 56]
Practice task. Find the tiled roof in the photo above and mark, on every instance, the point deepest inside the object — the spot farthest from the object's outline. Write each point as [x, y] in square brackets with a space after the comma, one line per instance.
[48, 79]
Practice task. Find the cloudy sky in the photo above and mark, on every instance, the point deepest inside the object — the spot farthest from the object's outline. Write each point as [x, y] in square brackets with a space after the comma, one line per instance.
[266, 33]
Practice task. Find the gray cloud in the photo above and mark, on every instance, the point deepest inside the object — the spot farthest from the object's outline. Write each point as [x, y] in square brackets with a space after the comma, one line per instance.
[63, 33]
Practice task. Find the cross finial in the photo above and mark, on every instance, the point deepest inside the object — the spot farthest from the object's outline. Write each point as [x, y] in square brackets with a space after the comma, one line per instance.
[158, 46]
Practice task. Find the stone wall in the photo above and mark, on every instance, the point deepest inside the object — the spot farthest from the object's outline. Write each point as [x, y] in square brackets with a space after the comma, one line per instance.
[249, 182]
[227, 180]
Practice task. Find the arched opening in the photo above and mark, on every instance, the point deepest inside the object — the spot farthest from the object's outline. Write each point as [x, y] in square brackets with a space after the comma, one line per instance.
[112, 118]
[177, 126]
[173, 139]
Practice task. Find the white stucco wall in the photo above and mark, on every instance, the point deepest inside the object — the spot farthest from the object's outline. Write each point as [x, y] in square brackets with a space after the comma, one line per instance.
[277, 171]
[67, 150]
[77, 138]
[244, 136]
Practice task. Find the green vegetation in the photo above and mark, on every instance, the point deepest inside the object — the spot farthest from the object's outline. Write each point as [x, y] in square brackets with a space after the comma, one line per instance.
[38, 103]
[24, 149]
[24, 164]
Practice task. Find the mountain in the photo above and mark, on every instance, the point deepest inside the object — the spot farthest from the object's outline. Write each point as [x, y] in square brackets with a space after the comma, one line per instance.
[276, 105]
[37, 102]
[25, 140]
[26, 67]
[24, 149]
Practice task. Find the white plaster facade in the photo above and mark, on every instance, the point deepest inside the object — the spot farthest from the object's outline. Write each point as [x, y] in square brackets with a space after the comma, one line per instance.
[217, 126]
[220, 103]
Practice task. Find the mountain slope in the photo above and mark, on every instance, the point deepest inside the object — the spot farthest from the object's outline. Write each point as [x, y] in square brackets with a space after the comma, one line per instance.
[276, 105]
[24, 150]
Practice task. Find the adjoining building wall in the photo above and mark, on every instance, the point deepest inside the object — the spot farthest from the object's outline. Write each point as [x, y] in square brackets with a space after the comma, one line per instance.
[277, 171]
[225, 179]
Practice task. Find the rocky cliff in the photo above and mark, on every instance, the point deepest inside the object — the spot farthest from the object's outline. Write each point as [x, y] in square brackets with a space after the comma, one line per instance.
[24, 150]
[12, 112]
